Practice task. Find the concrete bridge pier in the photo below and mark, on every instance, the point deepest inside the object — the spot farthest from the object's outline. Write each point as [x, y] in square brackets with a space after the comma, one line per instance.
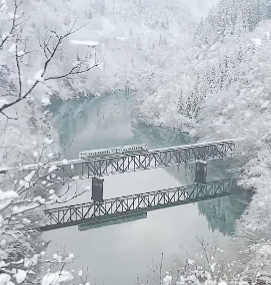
[201, 172]
[97, 189]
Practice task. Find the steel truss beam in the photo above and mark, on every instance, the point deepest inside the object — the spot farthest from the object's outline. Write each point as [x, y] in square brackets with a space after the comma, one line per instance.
[80, 213]
[153, 159]
[157, 158]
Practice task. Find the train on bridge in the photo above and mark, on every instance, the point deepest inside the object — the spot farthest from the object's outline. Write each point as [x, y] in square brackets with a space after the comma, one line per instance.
[131, 158]
[129, 149]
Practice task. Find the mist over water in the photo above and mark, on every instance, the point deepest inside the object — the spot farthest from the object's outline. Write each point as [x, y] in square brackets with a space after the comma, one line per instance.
[89, 124]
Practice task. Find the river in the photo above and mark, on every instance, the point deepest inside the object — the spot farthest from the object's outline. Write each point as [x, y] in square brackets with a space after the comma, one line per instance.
[120, 254]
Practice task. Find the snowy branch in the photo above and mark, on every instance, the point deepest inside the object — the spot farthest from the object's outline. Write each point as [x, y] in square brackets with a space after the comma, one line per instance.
[50, 45]
[9, 117]
[59, 40]
[16, 21]
[72, 197]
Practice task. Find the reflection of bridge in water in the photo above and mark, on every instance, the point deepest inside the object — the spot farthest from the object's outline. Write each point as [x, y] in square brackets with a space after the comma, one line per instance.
[99, 167]
[137, 203]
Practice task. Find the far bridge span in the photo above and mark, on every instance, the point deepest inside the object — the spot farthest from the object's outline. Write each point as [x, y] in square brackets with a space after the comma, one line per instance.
[131, 162]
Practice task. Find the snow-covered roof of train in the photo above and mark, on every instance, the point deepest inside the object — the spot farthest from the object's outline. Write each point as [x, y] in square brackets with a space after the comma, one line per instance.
[100, 149]
[113, 148]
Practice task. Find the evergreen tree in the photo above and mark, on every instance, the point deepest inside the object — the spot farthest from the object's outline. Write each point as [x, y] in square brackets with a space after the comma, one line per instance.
[232, 17]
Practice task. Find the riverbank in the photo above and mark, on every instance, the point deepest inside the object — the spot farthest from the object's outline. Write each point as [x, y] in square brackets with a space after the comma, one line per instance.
[230, 98]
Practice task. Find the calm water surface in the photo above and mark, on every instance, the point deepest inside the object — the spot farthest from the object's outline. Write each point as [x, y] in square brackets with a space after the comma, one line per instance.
[119, 254]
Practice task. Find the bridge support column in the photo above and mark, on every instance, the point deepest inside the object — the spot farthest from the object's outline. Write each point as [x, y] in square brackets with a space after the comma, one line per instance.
[201, 172]
[97, 189]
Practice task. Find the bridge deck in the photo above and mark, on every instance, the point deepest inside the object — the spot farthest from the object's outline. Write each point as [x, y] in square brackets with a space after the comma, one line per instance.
[155, 158]
[93, 211]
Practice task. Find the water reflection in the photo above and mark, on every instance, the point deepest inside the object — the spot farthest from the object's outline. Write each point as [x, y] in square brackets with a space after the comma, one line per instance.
[119, 254]
[222, 214]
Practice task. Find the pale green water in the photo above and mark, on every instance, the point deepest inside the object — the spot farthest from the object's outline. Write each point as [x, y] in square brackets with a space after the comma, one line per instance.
[119, 254]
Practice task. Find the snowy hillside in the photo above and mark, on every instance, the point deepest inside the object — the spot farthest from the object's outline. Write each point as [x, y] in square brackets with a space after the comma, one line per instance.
[135, 39]
[138, 45]
[209, 79]
[210, 67]
[225, 92]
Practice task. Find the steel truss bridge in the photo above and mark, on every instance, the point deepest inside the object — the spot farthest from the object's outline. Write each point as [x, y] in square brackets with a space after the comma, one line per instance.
[156, 158]
[143, 202]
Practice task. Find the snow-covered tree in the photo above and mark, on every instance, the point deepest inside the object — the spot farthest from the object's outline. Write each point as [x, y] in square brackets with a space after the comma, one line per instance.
[226, 70]
[31, 68]
[231, 17]
[243, 110]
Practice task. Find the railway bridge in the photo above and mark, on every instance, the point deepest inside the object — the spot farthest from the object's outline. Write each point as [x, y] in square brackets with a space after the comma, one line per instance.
[98, 167]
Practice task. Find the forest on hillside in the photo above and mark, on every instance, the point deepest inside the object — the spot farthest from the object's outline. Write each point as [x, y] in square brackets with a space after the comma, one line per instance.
[208, 78]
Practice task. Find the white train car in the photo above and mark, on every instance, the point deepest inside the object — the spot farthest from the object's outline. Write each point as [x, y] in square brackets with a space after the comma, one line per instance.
[87, 154]
[136, 148]
[120, 150]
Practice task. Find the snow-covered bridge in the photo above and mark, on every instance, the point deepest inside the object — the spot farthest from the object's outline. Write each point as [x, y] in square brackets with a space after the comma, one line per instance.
[97, 167]
[122, 163]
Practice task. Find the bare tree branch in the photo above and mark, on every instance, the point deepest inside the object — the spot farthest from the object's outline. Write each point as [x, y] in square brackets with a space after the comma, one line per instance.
[49, 49]
[58, 43]
[15, 23]
[18, 68]
[73, 71]
[9, 117]
[75, 195]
